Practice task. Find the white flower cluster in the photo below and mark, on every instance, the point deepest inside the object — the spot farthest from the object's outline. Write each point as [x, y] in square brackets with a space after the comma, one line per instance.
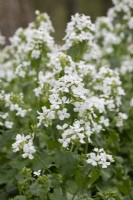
[6, 70]
[35, 36]
[21, 69]
[115, 39]
[12, 105]
[75, 95]
[24, 143]
[78, 30]
[80, 131]
[114, 36]
[8, 101]
[81, 109]
[5, 120]
[30, 44]
[128, 3]
[99, 157]
[105, 33]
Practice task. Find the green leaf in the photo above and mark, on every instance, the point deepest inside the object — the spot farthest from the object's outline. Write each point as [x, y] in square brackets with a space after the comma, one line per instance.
[66, 162]
[35, 189]
[124, 186]
[20, 197]
[57, 195]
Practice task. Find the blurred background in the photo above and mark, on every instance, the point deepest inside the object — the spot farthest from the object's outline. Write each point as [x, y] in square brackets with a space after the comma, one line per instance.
[18, 13]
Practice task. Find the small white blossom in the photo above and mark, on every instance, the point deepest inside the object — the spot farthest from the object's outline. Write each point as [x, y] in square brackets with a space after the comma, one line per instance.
[38, 91]
[121, 117]
[8, 124]
[21, 112]
[104, 121]
[63, 114]
[37, 173]
[4, 116]
[65, 141]
[35, 54]
[14, 107]
[28, 150]
[62, 127]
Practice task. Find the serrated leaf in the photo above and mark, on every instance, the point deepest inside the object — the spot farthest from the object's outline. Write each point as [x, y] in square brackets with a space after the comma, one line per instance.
[66, 162]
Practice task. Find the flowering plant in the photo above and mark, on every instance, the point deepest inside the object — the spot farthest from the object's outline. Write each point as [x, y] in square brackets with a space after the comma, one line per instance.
[61, 110]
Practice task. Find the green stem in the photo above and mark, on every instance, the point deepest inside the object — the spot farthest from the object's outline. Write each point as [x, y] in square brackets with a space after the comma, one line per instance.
[63, 187]
[79, 187]
[76, 192]
[72, 146]
[43, 164]
[77, 147]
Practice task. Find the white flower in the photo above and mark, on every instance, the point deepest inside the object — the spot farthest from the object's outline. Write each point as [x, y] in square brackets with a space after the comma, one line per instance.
[96, 127]
[8, 124]
[35, 54]
[37, 173]
[37, 12]
[19, 140]
[93, 159]
[21, 112]
[62, 127]
[104, 121]
[28, 150]
[14, 107]
[63, 114]
[38, 91]
[121, 117]
[65, 141]
[48, 115]
[4, 116]
[41, 118]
